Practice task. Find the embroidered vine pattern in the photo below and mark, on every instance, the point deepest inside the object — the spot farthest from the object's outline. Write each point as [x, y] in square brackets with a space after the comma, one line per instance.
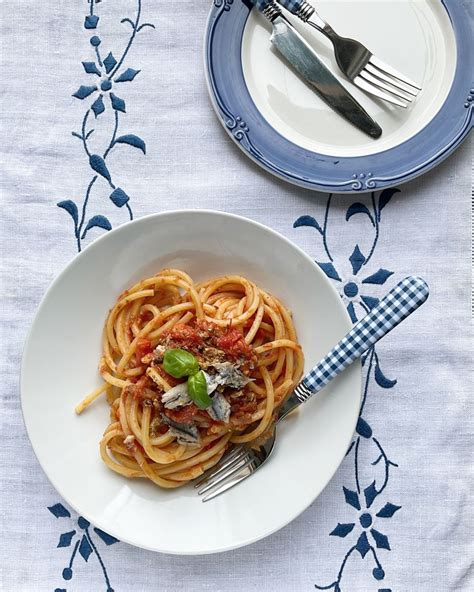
[82, 542]
[367, 499]
[107, 76]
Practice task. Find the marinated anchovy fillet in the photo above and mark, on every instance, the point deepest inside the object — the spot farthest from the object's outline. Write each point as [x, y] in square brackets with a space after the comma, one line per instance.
[229, 374]
[212, 382]
[220, 410]
[185, 433]
[176, 397]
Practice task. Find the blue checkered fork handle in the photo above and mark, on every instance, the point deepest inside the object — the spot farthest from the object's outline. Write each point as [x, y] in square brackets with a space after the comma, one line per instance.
[404, 299]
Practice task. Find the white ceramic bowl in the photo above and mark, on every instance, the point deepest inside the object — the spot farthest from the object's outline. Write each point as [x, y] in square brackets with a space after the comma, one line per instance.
[60, 365]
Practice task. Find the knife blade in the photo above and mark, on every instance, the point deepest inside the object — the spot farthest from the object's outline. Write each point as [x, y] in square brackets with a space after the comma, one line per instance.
[304, 60]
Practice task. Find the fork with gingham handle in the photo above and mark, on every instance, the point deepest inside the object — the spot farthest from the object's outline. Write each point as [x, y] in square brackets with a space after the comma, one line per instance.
[242, 461]
[355, 61]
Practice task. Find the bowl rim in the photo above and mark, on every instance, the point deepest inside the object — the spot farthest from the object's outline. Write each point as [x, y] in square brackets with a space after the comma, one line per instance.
[95, 245]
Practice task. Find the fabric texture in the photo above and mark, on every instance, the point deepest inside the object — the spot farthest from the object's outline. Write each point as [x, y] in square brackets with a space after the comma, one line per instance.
[398, 515]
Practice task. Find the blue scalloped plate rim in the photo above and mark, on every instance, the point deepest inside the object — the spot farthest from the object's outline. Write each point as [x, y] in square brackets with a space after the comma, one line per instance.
[263, 144]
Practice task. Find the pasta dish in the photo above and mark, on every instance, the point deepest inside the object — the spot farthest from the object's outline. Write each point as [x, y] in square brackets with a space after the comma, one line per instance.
[190, 369]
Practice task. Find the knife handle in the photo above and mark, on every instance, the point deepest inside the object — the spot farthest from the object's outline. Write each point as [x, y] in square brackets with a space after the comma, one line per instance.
[293, 6]
[269, 8]
[305, 11]
[260, 4]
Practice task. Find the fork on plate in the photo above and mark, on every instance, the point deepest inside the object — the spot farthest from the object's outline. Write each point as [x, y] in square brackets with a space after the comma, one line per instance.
[355, 61]
[242, 461]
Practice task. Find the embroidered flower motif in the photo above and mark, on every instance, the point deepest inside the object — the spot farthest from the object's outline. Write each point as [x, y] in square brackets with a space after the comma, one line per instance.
[369, 536]
[354, 286]
[105, 70]
[82, 543]
[366, 520]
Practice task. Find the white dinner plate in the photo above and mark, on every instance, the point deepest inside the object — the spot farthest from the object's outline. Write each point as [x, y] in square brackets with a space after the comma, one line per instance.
[60, 366]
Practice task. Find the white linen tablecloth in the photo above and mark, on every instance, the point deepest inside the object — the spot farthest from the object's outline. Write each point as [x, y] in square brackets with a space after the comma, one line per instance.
[417, 418]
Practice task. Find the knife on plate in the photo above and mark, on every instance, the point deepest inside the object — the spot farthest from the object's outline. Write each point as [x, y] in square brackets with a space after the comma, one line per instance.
[302, 57]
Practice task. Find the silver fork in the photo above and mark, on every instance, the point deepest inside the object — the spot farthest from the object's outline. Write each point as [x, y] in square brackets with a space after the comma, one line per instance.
[242, 461]
[357, 62]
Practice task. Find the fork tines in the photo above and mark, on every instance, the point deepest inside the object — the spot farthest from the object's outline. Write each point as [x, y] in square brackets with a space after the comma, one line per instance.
[385, 82]
[230, 470]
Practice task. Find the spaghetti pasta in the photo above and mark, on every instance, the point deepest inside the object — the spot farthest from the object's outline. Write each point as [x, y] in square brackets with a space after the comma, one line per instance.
[239, 337]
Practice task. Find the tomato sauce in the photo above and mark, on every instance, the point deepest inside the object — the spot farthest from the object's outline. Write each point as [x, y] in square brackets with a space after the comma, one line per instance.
[185, 336]
[232, 342]
[143, 348]
[194, 338]
[183, 414]
[144, 317]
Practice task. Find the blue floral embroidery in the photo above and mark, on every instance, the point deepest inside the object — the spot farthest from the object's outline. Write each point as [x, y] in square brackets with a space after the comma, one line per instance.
[365, 497]
[106, 79]
[82, 542]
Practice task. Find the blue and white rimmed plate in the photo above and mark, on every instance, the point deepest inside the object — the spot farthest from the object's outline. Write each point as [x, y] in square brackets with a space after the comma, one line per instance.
[279, 122]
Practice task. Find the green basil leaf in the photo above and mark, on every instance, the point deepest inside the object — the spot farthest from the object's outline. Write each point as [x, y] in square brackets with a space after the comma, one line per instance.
[197, 390]
[179, 363]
